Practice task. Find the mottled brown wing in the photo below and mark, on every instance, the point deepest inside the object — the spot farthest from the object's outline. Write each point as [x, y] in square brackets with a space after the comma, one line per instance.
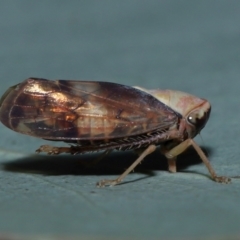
[82, 110]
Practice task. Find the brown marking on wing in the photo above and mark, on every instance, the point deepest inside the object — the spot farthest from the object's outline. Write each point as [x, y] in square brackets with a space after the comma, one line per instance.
[81, 110]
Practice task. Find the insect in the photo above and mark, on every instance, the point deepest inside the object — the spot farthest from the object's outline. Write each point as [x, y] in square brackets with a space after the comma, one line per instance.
[103, 116]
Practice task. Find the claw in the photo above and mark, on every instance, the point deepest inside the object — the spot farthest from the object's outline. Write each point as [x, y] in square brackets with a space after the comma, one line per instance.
[222, 179]
[106, 182]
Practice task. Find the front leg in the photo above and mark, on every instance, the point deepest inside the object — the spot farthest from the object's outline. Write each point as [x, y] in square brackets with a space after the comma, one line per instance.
[172, 165]
[174, 152]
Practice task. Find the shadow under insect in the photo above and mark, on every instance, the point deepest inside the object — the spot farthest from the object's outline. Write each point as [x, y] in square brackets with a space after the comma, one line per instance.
[112, 164]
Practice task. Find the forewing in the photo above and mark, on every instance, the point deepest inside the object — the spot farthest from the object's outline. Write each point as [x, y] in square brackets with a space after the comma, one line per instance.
[82, 110]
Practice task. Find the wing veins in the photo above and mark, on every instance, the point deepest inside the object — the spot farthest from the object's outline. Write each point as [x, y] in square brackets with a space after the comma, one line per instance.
[108, 100]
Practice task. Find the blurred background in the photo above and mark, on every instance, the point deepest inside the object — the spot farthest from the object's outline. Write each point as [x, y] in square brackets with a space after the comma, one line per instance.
[192, 46]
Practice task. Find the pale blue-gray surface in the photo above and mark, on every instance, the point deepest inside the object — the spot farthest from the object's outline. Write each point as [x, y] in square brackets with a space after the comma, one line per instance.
[193, 46]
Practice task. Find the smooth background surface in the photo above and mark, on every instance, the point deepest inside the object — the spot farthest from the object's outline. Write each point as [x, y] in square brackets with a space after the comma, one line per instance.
[193, 46]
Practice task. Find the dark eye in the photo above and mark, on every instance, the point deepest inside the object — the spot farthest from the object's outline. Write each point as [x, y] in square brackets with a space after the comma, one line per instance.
[199, 118]
[193, 119]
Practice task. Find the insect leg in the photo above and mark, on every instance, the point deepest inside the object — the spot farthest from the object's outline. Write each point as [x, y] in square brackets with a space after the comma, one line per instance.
[172, 167]
[51, 150]
[189, 142]
[146, 152]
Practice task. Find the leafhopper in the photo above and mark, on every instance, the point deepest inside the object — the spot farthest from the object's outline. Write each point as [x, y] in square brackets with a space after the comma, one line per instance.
[103, 116]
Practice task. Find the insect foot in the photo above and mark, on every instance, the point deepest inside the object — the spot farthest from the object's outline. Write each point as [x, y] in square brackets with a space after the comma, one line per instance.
[106, 182]
[49, 150]
[221, 179]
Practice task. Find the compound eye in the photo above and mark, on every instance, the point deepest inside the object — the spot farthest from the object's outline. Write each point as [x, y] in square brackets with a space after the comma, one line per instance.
[193, 118]
[199, 118]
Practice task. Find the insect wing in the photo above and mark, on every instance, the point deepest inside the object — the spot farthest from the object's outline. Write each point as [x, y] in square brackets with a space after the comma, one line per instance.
[82, 110]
